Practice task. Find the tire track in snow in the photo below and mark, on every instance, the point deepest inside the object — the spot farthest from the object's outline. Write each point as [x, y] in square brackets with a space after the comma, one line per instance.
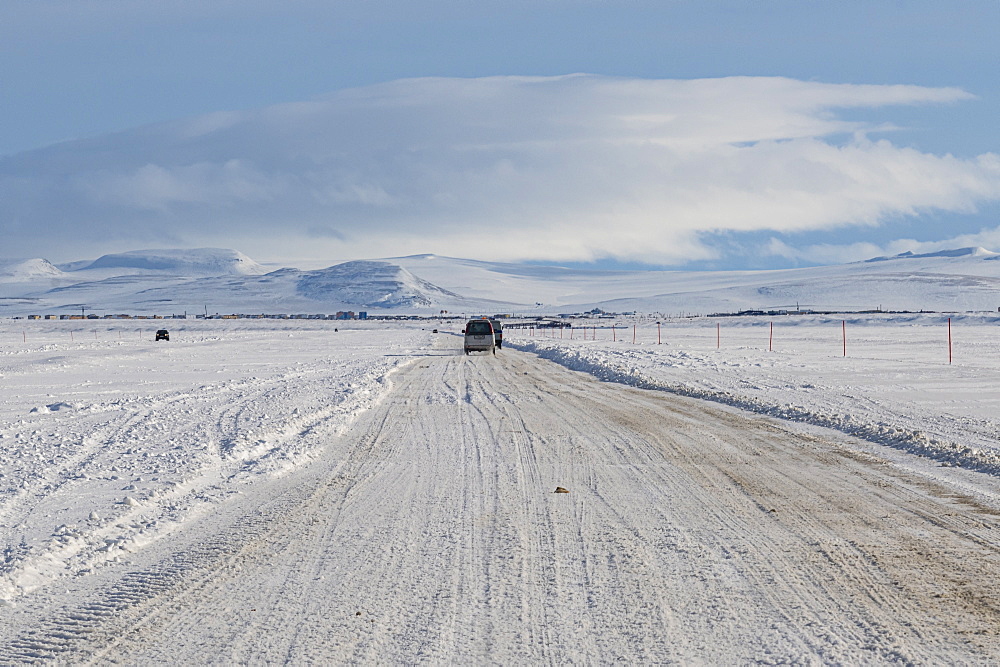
[82, 631]
[198, 421]
[242, 532]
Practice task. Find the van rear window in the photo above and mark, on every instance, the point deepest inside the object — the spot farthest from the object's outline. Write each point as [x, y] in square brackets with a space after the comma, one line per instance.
[479, 328]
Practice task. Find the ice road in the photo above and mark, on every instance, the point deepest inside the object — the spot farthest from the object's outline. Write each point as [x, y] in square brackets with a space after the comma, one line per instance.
[421, 524]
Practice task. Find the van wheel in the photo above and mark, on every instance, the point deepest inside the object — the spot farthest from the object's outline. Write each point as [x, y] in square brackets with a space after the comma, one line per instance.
[466, 351]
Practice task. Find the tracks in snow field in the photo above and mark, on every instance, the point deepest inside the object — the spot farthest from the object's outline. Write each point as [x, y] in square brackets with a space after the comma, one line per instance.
[430, 532]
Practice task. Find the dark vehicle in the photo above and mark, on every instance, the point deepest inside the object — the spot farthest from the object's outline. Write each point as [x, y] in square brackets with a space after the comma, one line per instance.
[162, 334]
[479, 336]
[497, 333]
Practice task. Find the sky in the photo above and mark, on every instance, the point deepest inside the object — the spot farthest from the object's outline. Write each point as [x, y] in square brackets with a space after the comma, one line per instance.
[678, 134]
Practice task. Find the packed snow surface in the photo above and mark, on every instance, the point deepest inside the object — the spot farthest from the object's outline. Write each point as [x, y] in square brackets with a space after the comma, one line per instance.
[318, 492]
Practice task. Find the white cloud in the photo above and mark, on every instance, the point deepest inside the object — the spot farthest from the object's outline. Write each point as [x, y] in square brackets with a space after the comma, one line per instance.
[564, 168]
[156, 188]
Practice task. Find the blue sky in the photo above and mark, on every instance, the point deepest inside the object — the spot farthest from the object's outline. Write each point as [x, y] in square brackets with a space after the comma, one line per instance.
[82, 70]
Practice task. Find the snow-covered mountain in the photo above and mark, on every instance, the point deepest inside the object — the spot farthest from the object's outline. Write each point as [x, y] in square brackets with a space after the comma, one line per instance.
[372, 284]
[195, 262]
[958, 252]
[175, 281]
[27, 270]
[960, 279]
[965, 279]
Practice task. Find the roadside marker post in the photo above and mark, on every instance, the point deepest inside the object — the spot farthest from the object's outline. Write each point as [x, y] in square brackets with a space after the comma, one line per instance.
[657, 333]
[949, 340]
[770, 340]
[718, 335]
[633, 334]
[843, 328]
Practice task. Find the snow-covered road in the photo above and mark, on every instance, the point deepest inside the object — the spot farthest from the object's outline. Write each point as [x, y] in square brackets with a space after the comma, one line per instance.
[426, 528]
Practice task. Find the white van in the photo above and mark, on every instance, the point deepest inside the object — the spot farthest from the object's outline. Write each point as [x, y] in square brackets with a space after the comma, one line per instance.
[479, 336]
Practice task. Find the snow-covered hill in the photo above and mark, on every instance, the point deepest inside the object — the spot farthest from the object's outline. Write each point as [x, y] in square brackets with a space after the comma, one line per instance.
[27, 270]
[958, 252]
[371, 284]
[195, 262]
[956, 280]
[961, 279]
[175, 281]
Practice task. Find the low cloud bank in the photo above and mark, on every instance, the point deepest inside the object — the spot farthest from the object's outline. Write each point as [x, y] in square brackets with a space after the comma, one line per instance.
[570, 168]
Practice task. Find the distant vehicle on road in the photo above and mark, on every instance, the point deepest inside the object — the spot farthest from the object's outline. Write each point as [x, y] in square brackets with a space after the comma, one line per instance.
[479, 336]
[162, 334]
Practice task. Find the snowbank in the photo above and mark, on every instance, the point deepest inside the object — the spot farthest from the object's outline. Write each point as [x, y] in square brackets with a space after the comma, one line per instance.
[884, 379]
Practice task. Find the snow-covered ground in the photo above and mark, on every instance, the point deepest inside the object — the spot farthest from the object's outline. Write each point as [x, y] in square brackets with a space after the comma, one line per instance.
[887, 379]
[109, 440]
[281, 491]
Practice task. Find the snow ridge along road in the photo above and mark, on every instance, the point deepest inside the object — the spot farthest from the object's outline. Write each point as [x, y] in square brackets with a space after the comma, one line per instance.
[428, 531]
[896, 388]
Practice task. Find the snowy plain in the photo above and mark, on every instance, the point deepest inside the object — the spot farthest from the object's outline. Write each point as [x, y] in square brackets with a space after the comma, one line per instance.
[922, 383]
[144, 488]
[109, 440]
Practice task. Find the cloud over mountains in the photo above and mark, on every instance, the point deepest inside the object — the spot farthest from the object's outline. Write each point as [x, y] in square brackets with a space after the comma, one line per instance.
[503, 168]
